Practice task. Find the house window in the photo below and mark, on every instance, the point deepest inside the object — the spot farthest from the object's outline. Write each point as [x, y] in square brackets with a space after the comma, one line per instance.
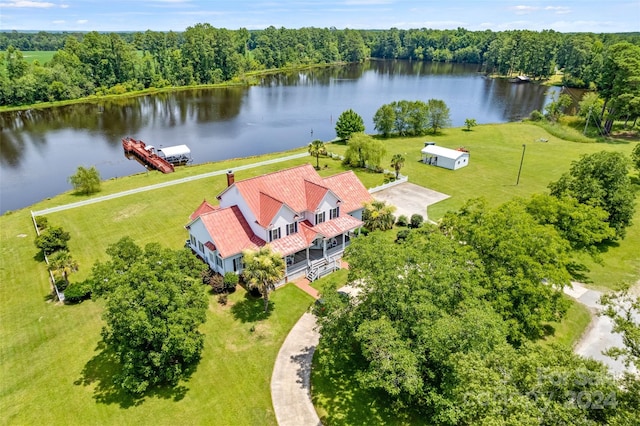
[274, 234]
[193, 240]
[333, 213]
[211, 257]
[292, 228]
[200, 247]
[237, 264]
[319, 218]
[219, 261]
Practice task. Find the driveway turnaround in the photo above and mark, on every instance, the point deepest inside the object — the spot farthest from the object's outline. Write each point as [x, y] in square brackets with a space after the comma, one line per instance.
[291, 378]
[410, 198]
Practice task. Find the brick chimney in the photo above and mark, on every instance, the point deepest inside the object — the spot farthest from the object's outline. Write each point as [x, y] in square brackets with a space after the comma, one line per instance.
[230, 178]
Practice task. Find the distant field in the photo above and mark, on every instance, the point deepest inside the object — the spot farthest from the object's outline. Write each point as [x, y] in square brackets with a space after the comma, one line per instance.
[40, 56]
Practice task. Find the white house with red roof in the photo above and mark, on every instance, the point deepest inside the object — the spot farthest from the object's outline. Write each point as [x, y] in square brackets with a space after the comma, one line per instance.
[306, 218]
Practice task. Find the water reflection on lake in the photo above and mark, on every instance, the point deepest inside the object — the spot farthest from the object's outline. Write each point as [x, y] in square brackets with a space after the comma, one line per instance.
[39, 149]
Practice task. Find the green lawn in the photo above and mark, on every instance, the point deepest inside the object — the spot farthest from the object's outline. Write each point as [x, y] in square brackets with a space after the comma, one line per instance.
[567, 332]
[54, 372]
[41, 56]
[51, 368]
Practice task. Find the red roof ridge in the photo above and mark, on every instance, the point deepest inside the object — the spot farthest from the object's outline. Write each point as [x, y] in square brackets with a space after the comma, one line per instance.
[305, 165]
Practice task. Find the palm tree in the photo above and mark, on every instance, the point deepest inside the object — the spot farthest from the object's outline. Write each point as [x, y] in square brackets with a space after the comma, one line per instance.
[263, 269]
[63, 263]
[378, 215]
[397, 161]
[317, 148]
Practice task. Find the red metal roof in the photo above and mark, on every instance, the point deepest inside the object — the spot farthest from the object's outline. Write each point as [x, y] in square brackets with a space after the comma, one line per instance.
[301, 189]
[314, 194]
[230, 231]
[269, 207]
[210, 246]
[290, 244]
[349, 189]
[337, 226]
[203, 208]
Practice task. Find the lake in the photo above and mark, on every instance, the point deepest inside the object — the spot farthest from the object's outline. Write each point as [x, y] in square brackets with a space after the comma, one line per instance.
[40, 149]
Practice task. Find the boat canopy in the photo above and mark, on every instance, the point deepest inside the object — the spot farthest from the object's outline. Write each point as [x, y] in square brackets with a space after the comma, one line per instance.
[174, 151]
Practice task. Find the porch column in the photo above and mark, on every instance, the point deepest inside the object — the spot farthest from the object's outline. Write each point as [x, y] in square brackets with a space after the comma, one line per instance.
[308, 261]
[324, 248]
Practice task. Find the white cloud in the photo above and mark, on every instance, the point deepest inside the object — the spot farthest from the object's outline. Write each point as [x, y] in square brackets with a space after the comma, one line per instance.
[28, 3]
[64, 6]
[523, 10]
[82, 21]
[560, 10]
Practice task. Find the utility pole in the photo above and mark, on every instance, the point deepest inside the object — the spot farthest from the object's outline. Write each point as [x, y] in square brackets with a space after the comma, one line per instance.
[524, 147]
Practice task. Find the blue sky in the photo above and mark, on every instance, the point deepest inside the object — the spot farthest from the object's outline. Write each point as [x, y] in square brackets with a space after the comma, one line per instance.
[177, 15]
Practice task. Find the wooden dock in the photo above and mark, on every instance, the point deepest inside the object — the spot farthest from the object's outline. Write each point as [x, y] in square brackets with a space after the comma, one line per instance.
[145, 155]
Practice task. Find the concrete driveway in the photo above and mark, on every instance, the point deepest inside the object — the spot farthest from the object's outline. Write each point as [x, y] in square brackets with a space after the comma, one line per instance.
[410, 198]
[599, 336]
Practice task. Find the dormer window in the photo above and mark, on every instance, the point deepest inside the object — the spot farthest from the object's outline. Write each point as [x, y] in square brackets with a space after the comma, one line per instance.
[292, 228]
[274, 234]
[320, 217]
[334, 213]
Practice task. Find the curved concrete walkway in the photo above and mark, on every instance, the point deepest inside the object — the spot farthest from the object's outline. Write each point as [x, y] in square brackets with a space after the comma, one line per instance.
[291, 378]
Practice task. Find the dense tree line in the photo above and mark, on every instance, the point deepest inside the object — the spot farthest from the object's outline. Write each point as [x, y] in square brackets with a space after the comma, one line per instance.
[98, 63]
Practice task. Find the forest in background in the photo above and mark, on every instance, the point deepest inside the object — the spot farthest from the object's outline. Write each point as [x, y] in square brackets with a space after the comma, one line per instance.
[93, 63]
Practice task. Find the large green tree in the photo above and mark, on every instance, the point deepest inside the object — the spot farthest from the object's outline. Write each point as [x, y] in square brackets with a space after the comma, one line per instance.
[53, 238]
[349, 123]
[423, 331]
[584, 226]
[619, 83]
[438, 115]
[384, 119]
[86, 180]
[601, 179]
[153, 311]
[364, 151]
[526, 263]
[263, 269]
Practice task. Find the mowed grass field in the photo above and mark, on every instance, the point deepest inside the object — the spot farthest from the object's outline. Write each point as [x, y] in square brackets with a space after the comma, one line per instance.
[52, 367]
[41, 56]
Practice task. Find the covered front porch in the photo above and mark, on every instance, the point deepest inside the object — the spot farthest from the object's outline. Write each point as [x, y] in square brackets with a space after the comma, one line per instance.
[322, 252]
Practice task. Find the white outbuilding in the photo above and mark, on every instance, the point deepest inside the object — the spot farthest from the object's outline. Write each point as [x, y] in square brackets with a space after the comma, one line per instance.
[440, 156]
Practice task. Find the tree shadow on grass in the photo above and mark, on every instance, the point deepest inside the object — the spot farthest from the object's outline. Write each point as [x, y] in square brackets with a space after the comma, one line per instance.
[251, 309]
[345, 401]
[579, 272]
[99, 371]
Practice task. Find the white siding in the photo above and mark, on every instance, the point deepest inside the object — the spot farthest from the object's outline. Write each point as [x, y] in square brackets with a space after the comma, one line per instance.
[201, 234]
[357, 214]
[284, 217]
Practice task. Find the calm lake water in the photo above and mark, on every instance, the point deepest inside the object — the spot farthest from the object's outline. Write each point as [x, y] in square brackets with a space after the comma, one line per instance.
[40, 149]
